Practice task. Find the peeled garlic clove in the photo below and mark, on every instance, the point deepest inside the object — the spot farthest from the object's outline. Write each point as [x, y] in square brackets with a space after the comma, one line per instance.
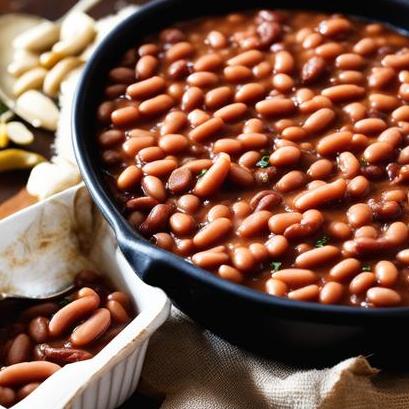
[38, 38]
[49, 178]
[32, 79]
[38, 109]
[76, 24]
[57, 74]
[19, 133]
[49, 59]
[23, 61]
[77, 31]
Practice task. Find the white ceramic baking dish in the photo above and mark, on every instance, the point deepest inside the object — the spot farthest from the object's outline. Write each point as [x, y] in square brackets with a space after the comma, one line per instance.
[55, 239]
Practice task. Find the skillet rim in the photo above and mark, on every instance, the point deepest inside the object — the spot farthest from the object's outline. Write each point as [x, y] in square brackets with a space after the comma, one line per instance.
[129, 240]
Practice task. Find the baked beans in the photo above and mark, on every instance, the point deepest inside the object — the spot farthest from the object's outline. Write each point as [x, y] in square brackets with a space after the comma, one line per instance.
[270, 150]
[37, 340]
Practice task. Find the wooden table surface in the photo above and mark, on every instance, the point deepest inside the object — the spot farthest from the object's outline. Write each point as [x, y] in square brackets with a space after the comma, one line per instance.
[13, 196]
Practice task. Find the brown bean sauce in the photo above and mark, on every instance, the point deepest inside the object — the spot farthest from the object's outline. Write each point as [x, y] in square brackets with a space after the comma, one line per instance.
[270, 148]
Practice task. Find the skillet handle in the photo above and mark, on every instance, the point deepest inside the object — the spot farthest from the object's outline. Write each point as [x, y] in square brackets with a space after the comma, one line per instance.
[140, 255]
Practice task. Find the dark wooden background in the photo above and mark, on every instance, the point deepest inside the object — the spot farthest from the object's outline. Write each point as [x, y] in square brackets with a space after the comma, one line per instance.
[12, 194]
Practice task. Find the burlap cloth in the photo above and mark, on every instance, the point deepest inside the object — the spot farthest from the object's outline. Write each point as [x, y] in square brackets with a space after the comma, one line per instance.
[195, 369]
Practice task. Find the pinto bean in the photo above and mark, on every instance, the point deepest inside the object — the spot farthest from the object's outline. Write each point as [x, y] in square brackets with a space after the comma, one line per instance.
[284, 62]
[321, 195]
[331, 293]
[237, 74]
[210, 259]
[378, 152]
[316, 257]
[214, 177]
[240, 176]
[311, 221]
[320, 169]
[156, 105]
[73, 312]
[254, 224]
[344, 92]
[275, 106]
[157, 219]
[313, 70]
[38, 329]
[146, 88]
[276, 287]
[386, 273]
[345, 269]
[212, 232]
[20, 349]
[334, 143]
[285, 156]
[362, 282]
[308, 293]
[62, 355]
[296, 277]
[247, 58]
[349, 165]
[230, 273]
[277, 245]
[253, 140]
[26, 372]
[206, 129]
[319, 120]
[359, 214]
[278, 223]
[92, 328]
[153, 186]
[243, 259]
[383, 297]
[180, 180]
[293, 180]
[231, 112]
[219, 97]
[335, 27]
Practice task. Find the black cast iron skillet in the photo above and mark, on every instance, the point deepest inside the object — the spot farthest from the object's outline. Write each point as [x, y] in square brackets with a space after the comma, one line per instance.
[304, 333]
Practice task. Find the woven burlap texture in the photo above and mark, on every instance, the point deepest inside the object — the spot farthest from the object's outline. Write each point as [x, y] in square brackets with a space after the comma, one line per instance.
[194, 369]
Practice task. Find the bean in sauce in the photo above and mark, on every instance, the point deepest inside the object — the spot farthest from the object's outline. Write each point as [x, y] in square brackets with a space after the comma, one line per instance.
[270, 149]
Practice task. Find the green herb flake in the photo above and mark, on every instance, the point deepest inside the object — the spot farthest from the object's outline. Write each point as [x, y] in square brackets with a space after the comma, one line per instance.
[263, 162]
[322, 241]
[275, 266]
[3, 108]
[202, 173]
[366, 268]
[363, 162]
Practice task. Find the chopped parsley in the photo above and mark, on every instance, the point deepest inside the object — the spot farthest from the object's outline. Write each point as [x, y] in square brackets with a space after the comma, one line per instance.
[322, 241]
[366, 267]
[263, 162]
[275, 266]
[363, 162]
[3, 108]
[202, 173]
